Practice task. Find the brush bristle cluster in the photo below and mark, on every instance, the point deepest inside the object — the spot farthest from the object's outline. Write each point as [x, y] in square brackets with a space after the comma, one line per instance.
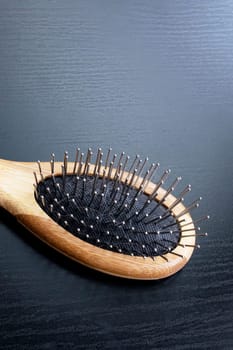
[107, 204]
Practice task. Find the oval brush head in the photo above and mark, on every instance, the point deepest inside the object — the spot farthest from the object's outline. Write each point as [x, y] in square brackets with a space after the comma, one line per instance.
[110, 216]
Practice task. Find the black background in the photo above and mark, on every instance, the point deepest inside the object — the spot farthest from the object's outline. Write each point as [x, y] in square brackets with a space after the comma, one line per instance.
[147, 77]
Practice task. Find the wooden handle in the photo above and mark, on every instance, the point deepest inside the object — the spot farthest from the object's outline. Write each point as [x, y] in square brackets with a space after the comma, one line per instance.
[17, 197]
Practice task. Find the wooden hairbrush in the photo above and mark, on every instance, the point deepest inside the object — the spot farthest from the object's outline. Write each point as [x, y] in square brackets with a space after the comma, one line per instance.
[108, 215]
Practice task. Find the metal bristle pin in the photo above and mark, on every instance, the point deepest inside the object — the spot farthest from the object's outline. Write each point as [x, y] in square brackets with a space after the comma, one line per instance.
[101, 202]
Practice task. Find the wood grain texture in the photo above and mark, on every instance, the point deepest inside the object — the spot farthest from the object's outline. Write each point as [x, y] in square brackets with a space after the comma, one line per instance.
[147, 77]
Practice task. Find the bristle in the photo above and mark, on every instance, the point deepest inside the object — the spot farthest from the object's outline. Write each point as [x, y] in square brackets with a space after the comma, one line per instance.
[160, 182]
[34, 173]
[161, 201]
[80, 164]
[110, 170]
[36, 191]
[65, 162]
[197, 234]
[124, 167]
[140, 170]
[88, 159]
[120, 161]
[40, 170]
[168, 191]
[52, 161]
[193, 245]
[106, 204]
[193, 205]
[76, 160]
[63, 171]
[97, 161]
[133, 164]
[107, 158]
[203, 218]
[100, 162]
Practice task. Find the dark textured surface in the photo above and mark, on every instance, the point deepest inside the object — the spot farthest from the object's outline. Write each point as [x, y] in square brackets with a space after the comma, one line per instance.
[148, 77]
[105, 224]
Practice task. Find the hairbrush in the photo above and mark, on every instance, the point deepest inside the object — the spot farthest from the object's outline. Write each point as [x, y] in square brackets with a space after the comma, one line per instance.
[108, 214]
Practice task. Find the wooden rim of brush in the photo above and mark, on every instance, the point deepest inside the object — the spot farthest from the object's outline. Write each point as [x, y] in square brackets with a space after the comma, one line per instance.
[17, 196]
